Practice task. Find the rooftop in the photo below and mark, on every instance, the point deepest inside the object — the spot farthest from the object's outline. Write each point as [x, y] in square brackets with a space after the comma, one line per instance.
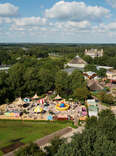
[90, 73]
[93, 108]
[94, 85]
[91, 102]
[112, 71]
[104, 67]
[77, 60]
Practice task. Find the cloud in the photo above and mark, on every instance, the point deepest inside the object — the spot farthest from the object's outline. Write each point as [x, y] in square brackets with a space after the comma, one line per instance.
[112, 3]
[63, 22]
[29, 21]
[70, 26]
[111, 27]
[8, 10]
[5, 20]
[68, 31]
[76, 11]
[77, 25]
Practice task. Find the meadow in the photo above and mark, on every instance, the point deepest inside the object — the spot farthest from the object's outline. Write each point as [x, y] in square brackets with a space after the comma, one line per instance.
[27, 131]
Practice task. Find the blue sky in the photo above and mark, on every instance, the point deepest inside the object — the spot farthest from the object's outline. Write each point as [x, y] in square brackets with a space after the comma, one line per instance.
[62, 21]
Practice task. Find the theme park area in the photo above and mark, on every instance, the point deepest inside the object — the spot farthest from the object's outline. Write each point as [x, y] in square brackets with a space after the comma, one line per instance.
[49, 109]
[46, 108]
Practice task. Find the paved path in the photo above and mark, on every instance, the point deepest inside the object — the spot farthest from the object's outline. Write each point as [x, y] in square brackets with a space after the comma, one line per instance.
[70, 134]
[102, 107]
[48, 138]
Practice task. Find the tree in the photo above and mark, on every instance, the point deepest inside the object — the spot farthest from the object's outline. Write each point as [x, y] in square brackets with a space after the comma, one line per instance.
[81, 94]
[30, 150]
[4, 88]
[15, 79]
[106, 98]
[54, 147]
[101, 72]
[28, 76]
[47, 79]
[31, 82]
[66, 84]
[62, 84]
[76, 80]
[88, 59]
[90, 67]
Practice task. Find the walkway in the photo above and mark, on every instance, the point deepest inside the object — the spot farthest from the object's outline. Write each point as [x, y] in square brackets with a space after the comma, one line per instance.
[70, 134]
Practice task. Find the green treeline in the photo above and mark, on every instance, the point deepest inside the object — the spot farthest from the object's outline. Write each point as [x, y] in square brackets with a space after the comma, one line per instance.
[10, 54]
[30, 76]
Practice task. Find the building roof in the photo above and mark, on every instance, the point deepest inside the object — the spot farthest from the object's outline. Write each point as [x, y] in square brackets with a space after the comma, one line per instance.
[89, 73]
[93, 108]
[77, 60]
[104, 67]
[94, 85]
[111, 72]
[91, 102]
[92, 50]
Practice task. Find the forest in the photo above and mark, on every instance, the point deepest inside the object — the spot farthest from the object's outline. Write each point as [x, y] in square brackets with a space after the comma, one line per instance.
[34, 70]
[11, 53]
[30, 76]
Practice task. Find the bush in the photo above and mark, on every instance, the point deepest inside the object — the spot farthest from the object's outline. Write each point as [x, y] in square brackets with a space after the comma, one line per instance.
[30, 150]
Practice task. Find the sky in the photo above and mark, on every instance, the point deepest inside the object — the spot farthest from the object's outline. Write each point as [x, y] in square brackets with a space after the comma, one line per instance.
[58, 21]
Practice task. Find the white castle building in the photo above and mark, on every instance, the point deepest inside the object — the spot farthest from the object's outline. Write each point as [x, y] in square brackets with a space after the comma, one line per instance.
[94, 52]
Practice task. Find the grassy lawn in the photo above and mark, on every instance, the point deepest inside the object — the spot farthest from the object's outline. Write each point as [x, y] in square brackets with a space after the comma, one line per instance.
[28, 130]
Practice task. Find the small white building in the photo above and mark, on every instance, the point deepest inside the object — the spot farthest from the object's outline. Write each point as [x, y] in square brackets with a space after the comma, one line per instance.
[93, 111]
[91, 102]
[92, 107]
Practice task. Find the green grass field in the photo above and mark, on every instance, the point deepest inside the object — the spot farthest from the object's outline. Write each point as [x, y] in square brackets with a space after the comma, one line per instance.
[28, 130]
